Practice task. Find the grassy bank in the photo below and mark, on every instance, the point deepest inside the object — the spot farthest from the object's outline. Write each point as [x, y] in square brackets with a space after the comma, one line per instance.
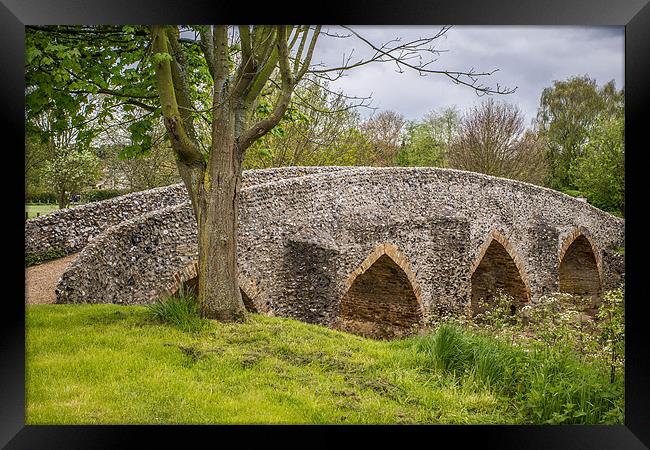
[34, 209]
[110, 364]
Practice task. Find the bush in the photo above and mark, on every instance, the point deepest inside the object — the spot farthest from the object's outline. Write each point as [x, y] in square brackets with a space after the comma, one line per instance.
[573, 193]
[612, 330]
[96, 195]
[498, 314]
[33, 259]
[41, 197]
[181, 311]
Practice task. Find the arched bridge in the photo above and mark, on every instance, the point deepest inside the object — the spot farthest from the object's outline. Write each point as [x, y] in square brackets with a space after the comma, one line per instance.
[371, 250]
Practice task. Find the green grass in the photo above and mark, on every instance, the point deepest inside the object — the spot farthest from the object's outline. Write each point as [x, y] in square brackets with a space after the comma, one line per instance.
[550, 385]
[112, 364]
[181, 311]
[44, 208]
[109, 364]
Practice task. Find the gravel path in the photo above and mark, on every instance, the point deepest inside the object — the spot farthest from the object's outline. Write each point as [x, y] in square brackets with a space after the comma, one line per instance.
[41, 280]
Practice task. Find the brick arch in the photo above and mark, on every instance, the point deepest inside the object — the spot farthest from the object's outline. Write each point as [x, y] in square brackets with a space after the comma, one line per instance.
[248, 288]
[503, 260]
[570, 239]
[382, 297]
[580, 264]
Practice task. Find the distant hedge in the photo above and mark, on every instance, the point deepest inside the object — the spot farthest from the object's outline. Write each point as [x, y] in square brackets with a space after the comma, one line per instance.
[89, 196]
[33, 259]
[101, 194]
[41, 197]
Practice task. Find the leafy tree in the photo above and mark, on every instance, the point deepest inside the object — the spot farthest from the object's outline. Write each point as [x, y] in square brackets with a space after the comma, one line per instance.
[57, 155]
[426, 142]
[149, 169]
[36, 153]
[69, 171]
[568, 110]
[599, 173]
[492, 140]
[201, 78]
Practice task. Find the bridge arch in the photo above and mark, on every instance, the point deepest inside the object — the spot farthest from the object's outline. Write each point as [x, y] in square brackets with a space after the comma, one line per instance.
[580, 265]
[382, 296]
[498, 267]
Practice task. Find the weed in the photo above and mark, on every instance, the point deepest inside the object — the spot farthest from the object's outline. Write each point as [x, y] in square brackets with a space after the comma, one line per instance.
[181, 311]
[550, 385]
[612, 335]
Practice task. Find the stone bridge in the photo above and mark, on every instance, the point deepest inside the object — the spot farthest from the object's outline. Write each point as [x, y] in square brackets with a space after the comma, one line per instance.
[369, 250]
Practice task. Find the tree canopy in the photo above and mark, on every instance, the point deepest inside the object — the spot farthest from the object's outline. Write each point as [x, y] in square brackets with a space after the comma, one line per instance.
[492, 139]
[567, 114]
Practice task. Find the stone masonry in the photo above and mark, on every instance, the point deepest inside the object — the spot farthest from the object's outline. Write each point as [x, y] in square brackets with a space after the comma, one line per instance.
[71, 229]
[358, 248]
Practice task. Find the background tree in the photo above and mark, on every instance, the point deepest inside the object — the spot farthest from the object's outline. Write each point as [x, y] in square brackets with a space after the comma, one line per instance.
[153, 167]
[492, 140]
[567, 112]
[383, 132]
[198, 78]
[599, 173]
[70, 171]
[36, 153]
[426, 142]
[57, 155]
[319, 128]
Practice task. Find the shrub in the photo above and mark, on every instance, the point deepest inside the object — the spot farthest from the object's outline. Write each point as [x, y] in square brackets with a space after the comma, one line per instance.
[498, 314]
[448, 312]
[573, 193]
[181, 311]
[41, 197]
[33, 259]
[562, 320]
[96, 195]
[612, 330]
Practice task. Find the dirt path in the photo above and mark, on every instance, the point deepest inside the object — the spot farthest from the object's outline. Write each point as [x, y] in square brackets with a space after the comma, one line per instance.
[43, 278]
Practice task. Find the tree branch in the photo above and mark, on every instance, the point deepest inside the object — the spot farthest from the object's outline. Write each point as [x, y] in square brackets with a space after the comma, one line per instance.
[264, 126]
[181, 142]
[410, 51]
[254, 72]
[306, 63]
[207, 45]
[296, 64]
[221, 70]
[181, 90]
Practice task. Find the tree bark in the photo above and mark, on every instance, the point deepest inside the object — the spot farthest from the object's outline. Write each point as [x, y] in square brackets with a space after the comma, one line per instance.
[62, 202]
[219, 294]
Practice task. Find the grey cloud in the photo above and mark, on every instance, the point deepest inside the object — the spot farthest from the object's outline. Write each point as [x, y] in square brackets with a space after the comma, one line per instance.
[529, 58]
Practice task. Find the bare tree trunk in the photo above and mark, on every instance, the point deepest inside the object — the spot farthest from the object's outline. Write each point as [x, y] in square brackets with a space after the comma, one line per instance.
[219, 294]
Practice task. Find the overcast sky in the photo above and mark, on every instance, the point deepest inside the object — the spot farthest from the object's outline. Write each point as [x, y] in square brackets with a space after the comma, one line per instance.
[529, 58]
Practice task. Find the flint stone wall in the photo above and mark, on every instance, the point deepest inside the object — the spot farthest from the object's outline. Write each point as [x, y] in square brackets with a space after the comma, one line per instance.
[71, 229]
[302, 239]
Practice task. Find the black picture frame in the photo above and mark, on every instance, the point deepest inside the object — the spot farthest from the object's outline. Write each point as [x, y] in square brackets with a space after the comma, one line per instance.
[633, 14]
